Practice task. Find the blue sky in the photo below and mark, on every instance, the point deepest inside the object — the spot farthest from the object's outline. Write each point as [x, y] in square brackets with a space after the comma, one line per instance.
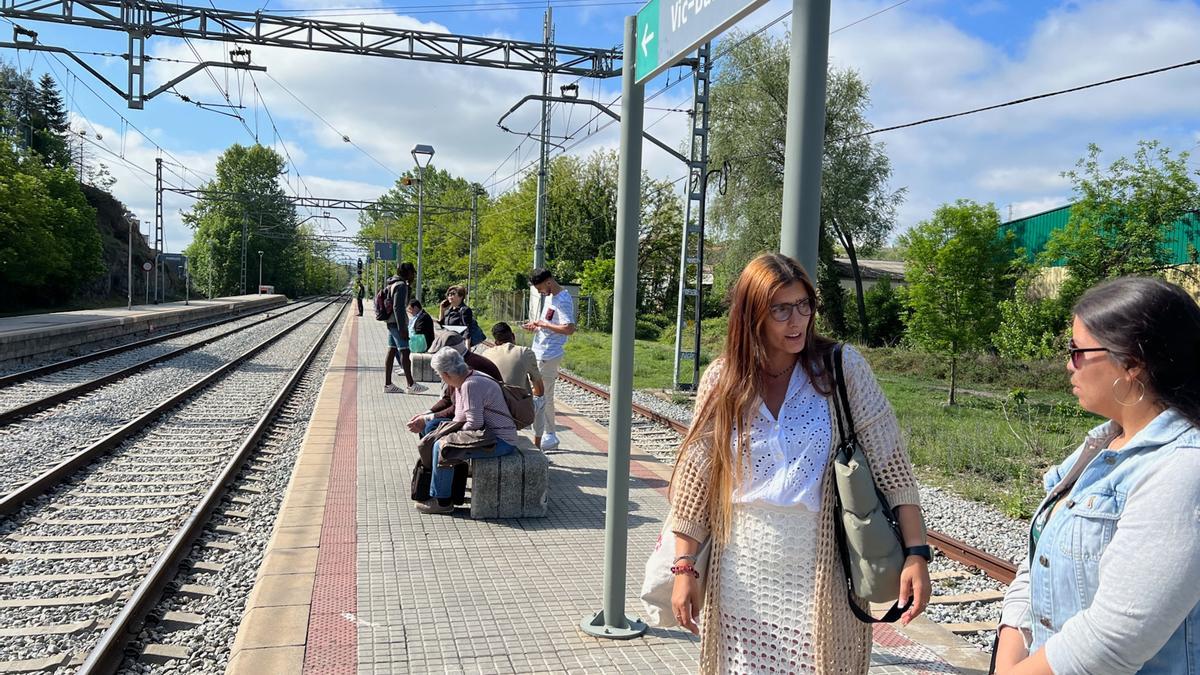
[921, 57]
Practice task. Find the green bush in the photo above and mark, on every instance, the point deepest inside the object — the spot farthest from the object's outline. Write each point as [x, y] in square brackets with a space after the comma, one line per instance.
[646, 330]
[1030, 329]
[983, 370]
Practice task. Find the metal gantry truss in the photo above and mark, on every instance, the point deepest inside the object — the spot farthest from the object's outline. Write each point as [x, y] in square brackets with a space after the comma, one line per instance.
[691, 257]
[141, 20]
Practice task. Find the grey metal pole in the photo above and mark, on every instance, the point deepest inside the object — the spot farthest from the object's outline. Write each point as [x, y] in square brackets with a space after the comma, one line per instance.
[801, 227]
[130, 233]
[471, 242]
[539, 221]
[420, 231]
[187, 282]
[611, 622]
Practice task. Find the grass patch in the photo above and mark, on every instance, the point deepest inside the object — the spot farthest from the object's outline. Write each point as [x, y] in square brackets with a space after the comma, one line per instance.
[991, 448]
[1012, 421]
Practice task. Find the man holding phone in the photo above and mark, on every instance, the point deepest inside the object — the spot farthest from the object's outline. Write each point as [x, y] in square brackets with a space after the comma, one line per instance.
[551, 330]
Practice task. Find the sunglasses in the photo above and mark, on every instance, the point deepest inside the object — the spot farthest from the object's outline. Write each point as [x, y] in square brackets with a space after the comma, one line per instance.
[1074, 353]
[783, 311]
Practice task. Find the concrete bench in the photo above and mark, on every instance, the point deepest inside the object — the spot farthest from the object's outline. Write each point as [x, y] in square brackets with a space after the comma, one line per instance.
[422, 371]
[513, 486]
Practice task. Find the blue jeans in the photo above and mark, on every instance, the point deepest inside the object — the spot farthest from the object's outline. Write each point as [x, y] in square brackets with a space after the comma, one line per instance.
[442, 480]
[394, 339]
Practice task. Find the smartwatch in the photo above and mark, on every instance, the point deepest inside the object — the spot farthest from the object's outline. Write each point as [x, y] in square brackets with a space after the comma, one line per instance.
[923, 550]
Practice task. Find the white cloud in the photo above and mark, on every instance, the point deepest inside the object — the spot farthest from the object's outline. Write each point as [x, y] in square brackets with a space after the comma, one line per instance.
[919, 64]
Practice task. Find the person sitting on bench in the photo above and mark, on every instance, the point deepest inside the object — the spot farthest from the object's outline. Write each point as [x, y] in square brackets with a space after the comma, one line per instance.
[481, 427]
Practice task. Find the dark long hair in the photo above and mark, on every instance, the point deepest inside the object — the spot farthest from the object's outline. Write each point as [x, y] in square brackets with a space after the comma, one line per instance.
[1153, 324]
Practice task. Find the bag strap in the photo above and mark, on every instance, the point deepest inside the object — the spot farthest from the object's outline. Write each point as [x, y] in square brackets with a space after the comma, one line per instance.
[849, 437]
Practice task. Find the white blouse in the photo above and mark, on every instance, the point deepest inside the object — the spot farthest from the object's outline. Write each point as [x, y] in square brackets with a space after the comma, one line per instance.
[788, 455]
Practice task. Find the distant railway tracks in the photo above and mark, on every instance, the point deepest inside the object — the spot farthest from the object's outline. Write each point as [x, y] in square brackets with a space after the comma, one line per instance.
[88, 546]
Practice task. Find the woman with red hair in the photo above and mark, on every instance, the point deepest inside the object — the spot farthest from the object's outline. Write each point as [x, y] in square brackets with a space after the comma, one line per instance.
[754, 475]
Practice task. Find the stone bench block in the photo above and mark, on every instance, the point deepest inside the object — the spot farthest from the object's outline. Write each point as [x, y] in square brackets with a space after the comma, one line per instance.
[422, 370]
[513, 486]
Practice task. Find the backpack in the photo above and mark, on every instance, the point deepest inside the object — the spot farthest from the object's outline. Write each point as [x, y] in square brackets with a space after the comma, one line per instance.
[519, 402]
[383, 305]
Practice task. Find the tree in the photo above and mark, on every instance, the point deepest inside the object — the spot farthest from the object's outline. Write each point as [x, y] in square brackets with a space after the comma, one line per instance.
[1120, 223]
[246, 209]
[749, 115]
[50, 123]
[885, 312]
[958, 269]
[1030, 328]
[49, 245]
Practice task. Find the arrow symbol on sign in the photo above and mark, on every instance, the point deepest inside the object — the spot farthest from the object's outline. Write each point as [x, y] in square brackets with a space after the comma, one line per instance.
[647, 36]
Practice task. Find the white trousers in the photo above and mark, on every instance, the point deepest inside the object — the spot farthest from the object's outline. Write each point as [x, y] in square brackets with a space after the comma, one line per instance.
[543, 421]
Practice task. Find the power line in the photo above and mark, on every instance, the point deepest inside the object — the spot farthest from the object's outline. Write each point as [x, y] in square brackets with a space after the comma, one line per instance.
[335, 130]
[511, 5]
[1026, 99]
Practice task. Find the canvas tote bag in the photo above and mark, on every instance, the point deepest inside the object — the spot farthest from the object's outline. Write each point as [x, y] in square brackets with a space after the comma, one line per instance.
[659, 583]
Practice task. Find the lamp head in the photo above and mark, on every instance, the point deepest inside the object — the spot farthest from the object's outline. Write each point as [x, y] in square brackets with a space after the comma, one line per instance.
[570, 90]
[421, 150]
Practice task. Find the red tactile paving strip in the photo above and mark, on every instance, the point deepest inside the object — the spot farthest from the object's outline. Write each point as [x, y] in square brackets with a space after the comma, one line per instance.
[332, 645]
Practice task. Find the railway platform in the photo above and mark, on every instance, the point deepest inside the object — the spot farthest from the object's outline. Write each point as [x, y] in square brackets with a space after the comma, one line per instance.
[355, 580]
[33, 334]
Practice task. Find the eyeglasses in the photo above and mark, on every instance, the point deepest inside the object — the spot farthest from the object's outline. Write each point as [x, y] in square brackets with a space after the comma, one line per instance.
[783, 311]
[1074, 352]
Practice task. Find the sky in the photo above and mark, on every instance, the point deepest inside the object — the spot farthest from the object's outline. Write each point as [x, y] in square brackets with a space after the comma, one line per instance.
[921, 58]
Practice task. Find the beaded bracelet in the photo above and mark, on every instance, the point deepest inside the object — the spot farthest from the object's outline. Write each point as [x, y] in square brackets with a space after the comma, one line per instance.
[685, 569]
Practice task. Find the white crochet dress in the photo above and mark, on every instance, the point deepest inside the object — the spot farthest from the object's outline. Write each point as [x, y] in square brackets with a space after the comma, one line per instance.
[766, 576]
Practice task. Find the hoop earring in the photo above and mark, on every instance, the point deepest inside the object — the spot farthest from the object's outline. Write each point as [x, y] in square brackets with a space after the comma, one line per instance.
[1141, 396]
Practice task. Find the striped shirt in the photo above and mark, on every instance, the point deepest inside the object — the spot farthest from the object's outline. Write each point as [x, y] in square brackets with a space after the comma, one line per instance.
[480, 404]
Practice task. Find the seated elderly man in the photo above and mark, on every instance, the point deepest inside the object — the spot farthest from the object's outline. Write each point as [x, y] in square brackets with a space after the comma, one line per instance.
[481, 427]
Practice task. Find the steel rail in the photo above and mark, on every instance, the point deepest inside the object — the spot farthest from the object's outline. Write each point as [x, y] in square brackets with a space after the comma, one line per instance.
[958, 551]
[106, 656]
[13, 414]
[14, 378]
[55, 475]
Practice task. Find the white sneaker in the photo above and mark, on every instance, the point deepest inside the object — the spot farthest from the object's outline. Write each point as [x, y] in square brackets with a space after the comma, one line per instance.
[416, 388]
[550, 441]
[392, 389]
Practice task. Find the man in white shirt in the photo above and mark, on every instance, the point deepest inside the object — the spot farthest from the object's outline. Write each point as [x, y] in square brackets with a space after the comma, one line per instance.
[551, 329]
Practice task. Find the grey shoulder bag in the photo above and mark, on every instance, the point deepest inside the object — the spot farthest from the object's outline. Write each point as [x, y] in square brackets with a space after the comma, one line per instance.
[868, 534]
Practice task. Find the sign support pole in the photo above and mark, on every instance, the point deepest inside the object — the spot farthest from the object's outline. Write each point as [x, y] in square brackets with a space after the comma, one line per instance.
[800, 231]
[611, 621]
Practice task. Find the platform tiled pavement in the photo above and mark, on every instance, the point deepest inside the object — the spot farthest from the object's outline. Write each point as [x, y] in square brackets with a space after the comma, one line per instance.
[450, 594]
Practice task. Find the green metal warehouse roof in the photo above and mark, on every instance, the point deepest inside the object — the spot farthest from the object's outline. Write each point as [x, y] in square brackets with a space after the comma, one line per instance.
[1032, 233]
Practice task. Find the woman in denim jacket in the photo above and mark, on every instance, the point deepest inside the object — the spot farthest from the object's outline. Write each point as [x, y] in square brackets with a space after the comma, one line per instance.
[1112, 580]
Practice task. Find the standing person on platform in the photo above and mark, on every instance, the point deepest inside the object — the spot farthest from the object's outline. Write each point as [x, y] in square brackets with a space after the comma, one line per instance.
[754, 475]
[397, 288]
[1109, 584]
[518, 366]
[455, 312]
[420, 327]
[551, 330]
[359, 292]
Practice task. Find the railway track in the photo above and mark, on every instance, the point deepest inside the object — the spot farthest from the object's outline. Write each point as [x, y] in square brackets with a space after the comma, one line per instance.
[100, 405]
[88, 547]
[954, 584]
[28, 392]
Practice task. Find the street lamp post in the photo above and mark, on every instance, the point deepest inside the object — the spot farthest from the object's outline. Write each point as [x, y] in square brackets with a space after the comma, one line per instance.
[260, 253]
[418, 152]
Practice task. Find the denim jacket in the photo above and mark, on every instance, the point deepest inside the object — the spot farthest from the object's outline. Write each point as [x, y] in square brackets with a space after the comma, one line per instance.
[1110, 585]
